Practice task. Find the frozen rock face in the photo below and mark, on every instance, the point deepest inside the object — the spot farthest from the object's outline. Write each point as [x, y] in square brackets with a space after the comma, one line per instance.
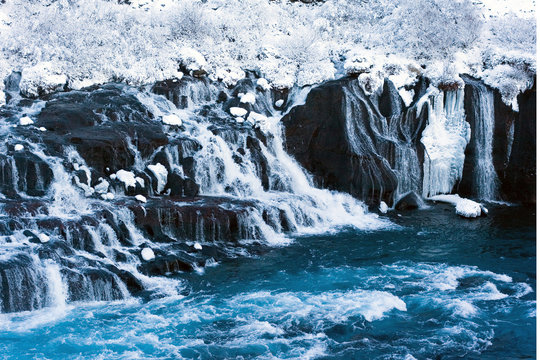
[463, 141]
[445, 138]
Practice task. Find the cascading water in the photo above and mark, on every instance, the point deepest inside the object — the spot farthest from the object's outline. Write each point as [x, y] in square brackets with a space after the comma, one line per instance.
[484, 178]
[72, 227]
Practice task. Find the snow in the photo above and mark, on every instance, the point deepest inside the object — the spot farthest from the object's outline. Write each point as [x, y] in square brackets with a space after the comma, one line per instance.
[127, 177]
[383, 207]
[140, 198]
[44, 238]
[240, 120]
[248, 98]
[161, 173]
[107, 196]
[43, 78]
[229, 76]
[42, 129]
[464, 207]
[25, 120]
[237, 111]
[172, 119]
[18, 147]
[279, 103]
[255, 118]
[288, 44]
[102, 187]
[2, 96]
[445, 139]
[263, 84]
[192, 60]
[197, 246]
[147, 254]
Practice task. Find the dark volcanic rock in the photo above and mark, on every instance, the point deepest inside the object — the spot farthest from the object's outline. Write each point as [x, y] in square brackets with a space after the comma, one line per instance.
[409, 201]
[519, 183]
[336, 136]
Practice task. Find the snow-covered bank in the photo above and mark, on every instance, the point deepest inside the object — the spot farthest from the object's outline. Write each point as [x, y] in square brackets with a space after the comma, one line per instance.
[464, 207]
[287, 43]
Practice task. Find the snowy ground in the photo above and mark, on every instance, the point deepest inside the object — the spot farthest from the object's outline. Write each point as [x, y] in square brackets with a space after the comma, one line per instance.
[79, 43]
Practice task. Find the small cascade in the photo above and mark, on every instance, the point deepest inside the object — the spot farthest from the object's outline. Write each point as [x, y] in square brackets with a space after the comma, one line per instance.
[445, 139]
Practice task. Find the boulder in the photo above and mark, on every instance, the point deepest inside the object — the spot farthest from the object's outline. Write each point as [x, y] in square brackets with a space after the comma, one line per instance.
[409, 201]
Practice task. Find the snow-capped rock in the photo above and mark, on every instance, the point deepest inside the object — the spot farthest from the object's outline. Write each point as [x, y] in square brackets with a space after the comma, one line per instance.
[127, 177]
[279, 103]
[248, 98]
[237, 111]
[192, 61]
[172, 119]
[107, 196]
[255, 118]
[383, 208]
[147, 254]
[41, 79]
[197, 246]
[19, 147]
[263, 84]
[25, 120]
[161, 173]
[102, 187]
[140, 198]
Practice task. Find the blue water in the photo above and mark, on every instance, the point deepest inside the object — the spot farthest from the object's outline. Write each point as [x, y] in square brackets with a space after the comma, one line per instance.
[437, 287]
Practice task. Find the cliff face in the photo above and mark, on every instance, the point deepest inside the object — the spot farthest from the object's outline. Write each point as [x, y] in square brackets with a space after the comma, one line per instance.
[519, 180]
[373, 146]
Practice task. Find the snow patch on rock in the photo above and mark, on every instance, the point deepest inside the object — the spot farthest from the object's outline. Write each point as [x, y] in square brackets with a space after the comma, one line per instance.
[248, 98]
[25, 120]
[140, 198]
[172, 119]
[147, 254]
[127, 177]
[192, 60]
[237, 111]
[19, 147]
[383, 207]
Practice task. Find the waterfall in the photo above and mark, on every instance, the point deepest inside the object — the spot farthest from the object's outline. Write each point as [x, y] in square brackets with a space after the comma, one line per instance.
[484, 177]
[72, 228]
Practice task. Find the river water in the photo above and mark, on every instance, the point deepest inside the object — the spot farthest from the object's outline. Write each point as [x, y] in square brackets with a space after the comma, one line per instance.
[433, 286]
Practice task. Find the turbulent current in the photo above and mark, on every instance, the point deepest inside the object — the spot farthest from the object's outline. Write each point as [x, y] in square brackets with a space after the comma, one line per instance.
[438, 289]
[170, 221]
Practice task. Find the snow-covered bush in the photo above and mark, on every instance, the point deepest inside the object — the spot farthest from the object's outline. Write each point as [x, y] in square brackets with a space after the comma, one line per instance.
[288, 43]
[426, 29]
